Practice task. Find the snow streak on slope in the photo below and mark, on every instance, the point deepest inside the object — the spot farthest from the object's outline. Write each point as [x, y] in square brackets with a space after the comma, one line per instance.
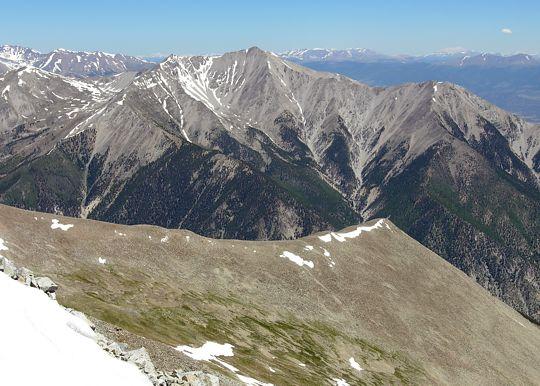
[210, 351]
[193, 75]
[341, 237]
[297, 259]
[42, 340]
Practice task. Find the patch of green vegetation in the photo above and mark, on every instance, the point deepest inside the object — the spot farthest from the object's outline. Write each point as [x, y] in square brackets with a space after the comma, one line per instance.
[443, 193]
[260, 339]
[50, 181]
[308, 188]
[245, 196]
[10, 164]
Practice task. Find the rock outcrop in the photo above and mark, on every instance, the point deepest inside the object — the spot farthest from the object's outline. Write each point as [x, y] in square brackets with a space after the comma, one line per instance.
[142, 360]
[27, 277]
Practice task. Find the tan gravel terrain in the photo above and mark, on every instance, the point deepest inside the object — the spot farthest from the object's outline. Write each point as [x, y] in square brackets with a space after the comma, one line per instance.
[296, 312]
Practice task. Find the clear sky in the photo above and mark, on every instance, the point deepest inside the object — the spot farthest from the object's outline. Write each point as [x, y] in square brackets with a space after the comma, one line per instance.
[206, 27]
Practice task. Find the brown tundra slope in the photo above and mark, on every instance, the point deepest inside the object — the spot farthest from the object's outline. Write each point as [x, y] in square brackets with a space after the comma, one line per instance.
[367, 305]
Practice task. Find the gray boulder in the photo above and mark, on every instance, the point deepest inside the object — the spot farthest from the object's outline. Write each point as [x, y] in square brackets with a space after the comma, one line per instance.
[9, 268]
[198, 378]
[116, 349]
[141, 358]
[26, 276]
[46, 285]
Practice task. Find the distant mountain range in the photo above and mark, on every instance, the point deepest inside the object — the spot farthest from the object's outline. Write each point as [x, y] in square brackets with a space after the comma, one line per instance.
[70, 63]
[248, 145]
[454, 58]
[511, 82]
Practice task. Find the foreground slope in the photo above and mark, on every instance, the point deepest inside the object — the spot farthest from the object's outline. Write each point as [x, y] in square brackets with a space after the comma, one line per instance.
[368, 304]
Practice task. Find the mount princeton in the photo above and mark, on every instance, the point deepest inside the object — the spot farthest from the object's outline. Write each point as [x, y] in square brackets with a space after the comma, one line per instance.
[248, 145]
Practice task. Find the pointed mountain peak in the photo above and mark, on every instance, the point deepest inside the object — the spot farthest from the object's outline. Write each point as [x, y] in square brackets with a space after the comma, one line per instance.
[256, 51]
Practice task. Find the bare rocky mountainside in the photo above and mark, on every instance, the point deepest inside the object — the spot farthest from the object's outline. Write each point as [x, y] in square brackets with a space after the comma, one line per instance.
[249, 146]
[366, 305]
[511, 82]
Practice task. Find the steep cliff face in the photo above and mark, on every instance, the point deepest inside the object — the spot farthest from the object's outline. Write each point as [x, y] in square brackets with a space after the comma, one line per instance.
[247, 145]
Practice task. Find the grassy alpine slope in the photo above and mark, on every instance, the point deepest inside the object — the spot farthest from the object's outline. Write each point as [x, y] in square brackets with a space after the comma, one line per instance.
[400, 311]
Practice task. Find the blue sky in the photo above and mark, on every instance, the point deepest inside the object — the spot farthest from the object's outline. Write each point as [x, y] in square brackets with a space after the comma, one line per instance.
[197, 27]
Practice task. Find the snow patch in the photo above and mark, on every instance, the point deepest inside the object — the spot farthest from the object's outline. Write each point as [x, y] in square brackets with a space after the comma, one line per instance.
[210, 351]
[56, 225]
[3, 246]
[6, 90]
[193, 75]
[121, 101]
[251, 381]
[297, 259]
[341, 382]
[355, 364]
[186, 136]
[326, 238]
[341, 237]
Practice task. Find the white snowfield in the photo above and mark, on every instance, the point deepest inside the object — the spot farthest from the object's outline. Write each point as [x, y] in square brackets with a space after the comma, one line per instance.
[56, 225]
[297, 259]
[3, 246]
[42, 343]
[341, 237]
[354, 364]
[210, 351]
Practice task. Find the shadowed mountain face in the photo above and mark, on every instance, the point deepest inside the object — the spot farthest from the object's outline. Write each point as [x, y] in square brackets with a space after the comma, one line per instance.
[249, 146]
[295, 312]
